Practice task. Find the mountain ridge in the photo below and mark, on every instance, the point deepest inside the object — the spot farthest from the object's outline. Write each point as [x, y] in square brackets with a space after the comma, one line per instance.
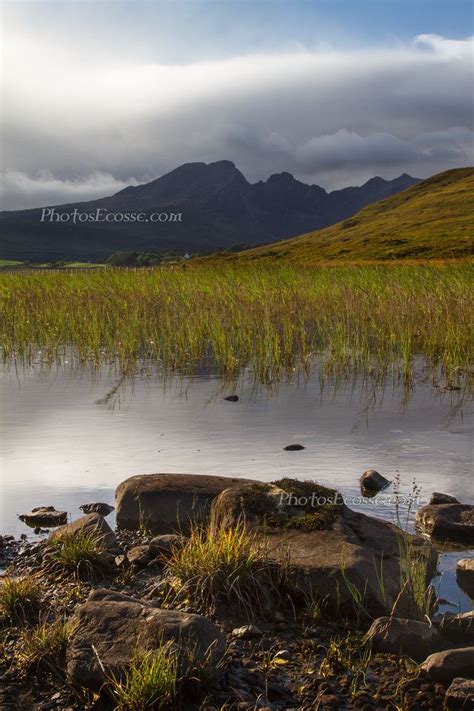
[431, 219]
[219, 208]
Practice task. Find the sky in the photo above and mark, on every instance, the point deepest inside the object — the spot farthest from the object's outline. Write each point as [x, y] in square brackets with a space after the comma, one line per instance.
[100, 94]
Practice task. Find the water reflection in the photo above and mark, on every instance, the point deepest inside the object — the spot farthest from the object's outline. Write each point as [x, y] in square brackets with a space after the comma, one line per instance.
[69, 438]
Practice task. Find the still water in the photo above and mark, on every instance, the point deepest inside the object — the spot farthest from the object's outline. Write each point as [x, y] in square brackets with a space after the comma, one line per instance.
[69, 439]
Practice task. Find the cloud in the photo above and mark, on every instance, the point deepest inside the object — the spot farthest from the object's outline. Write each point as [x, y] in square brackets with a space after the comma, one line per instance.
[23, 191]
[334, 117]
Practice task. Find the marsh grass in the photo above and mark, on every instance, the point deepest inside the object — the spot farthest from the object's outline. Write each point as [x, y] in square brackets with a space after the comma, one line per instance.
[20, 601]
[225, 567]
[274, 319]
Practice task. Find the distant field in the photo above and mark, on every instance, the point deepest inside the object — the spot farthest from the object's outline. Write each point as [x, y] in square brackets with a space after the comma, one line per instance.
[10, 263]
[431, 220]
[275, 319]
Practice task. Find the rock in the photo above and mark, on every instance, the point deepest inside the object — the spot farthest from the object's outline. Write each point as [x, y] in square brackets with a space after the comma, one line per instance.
[167, 503]
[110, 626]
[446, 666]
[294, 447]
[465, 575]
[140, 556]
[328, 547]
[89, 523]
[232, 398]
[44, 516]
[460, 695]
[393, 635]
[100, 508]
[371, 481]
[247, 632]
[437, 498]
[453, 522]
[167, 542]
[456, 628]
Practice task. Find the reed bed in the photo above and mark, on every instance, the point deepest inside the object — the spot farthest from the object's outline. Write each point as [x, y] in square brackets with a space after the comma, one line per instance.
[273, 319]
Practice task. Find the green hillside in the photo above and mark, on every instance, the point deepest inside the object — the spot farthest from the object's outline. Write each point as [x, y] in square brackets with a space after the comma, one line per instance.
[431, 220]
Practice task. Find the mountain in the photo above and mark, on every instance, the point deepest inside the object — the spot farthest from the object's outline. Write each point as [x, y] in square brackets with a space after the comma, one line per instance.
[219, 208]
[433, 219]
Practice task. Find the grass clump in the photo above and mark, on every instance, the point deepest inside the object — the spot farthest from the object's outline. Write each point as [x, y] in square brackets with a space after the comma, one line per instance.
[20, 600]
[224, 567]
[44, 647]
[150, 682]
[81, 555]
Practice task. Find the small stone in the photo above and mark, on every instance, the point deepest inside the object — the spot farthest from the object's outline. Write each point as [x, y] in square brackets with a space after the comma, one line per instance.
[247, 632]
[232, 398]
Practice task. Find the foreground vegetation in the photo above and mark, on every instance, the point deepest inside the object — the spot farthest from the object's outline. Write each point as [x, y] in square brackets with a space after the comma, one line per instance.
[273, 319]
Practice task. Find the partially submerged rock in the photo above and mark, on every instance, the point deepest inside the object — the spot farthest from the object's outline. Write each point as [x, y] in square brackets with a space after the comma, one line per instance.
[449, 522]
[393, 635]
[110, 627]
[446, 666]
[99, 507]
[44, 516]
[167, 503]
[371, 482]
[90, 523]
[331, 551]
[465, 575]
[437, 498]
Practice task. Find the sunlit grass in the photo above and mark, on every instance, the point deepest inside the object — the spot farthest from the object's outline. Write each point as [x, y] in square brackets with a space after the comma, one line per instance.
[273, 319]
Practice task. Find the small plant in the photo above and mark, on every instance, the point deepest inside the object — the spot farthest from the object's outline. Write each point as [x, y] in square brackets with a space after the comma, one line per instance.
[81, 554]
[44, 647]
[150, 682]
[20, 600]
[346, 656]
[227, 566]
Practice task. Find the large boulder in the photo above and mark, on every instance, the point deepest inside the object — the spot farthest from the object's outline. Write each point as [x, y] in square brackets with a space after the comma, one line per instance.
[333, 552]
[393, 635]
[167, 503]
[44, 516]
[90, 523]
[110, 627]
[447, 522]
[465, 575]
[446, 666]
